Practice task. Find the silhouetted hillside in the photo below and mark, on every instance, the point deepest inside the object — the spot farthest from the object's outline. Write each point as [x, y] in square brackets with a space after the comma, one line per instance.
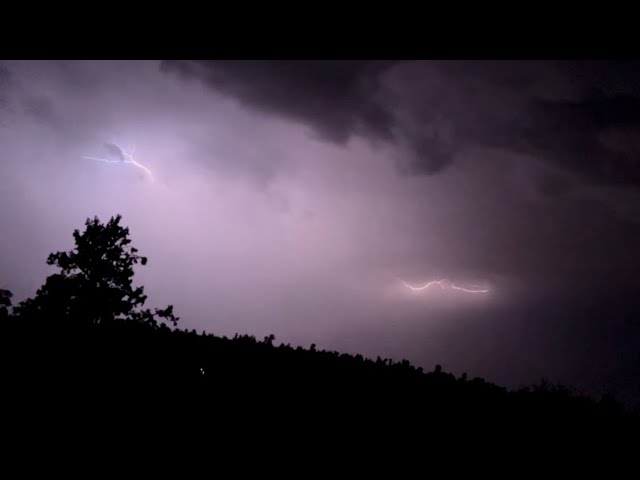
[84, 352]
[133, 366]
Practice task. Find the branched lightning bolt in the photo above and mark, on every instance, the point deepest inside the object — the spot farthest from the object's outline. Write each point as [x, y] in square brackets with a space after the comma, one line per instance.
[444, 283]
[125, 158]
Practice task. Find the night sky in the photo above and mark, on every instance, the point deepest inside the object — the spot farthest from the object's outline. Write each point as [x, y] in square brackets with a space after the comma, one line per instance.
[296, 197]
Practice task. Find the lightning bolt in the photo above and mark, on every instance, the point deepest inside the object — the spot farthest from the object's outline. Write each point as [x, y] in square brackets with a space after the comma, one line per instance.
[124, 157]
[444, 283]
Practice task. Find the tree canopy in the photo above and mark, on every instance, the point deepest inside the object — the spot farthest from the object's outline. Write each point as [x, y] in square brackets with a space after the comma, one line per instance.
[5, 303]
[95, 281]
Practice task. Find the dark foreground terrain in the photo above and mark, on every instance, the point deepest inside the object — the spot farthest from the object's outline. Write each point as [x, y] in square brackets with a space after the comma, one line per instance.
[97, 376]
[85, 368]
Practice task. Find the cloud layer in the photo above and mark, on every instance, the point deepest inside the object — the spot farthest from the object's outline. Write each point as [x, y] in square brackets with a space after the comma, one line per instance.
[579, 117]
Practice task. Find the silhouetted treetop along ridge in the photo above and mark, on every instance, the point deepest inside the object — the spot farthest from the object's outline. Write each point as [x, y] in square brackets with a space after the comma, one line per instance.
[95, 280]
[86, 330]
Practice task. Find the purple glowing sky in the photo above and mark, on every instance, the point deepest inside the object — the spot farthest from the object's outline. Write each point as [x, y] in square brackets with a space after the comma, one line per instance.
[281, 204]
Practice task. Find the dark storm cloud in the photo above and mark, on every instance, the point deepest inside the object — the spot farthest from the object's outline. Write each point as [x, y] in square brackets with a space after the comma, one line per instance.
[569, 135]
[582, 122]
[5, 79]
[556, 112]
[551, 184]
[337, 98]
[115, 151]
[39, 107]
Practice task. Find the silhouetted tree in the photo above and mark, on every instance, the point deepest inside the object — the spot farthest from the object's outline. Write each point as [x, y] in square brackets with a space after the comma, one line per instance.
[94, 284]
[5, 303]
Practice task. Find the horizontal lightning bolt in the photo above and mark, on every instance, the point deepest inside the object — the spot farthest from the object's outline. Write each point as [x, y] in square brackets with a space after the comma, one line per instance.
[443, 284]
[104, 160]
